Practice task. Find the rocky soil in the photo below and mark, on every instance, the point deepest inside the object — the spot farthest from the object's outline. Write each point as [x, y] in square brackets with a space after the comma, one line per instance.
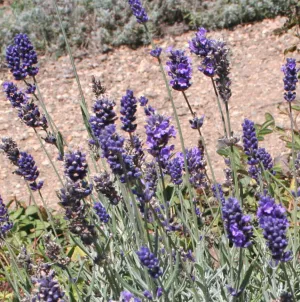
[256, 59]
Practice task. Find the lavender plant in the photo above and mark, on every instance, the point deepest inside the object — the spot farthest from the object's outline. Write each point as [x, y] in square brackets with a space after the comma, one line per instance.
[149, 224]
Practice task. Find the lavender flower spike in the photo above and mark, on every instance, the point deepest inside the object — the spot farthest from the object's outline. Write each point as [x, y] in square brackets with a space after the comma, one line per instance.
[5, 224]
[28, 169]
[290, 79]
[101, 212]
[238, 228]
[272, 219]
[180, 70]
[75, 165]
[156, 52]
[128, 297]
[48, 288]
[17, 98]
[158, 131]
[128, 110]
[138, 11]
[175, 168]
[149, 260]
[21, 58]
[250, 143]
[197, 122]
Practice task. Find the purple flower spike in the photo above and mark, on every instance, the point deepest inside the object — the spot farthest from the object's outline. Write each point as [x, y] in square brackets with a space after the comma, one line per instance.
[21, 58]
[272, 219]
[156, 52]
[238, 228]
[159, 132]
[200, 45]
[76, 165]
[175, 169]
[128, 297]
[180, 70]
[149, 260]
[148, 295]
[143, 101]
[290, 79]
[196, 166]
[138, 11]
[128, 110]
[101, 212]
[197, 122]
[5, 224]
[17, 98]
[48, 288]
[27, 167]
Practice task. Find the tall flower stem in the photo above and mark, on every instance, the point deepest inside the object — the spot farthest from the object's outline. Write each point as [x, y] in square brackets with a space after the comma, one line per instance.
[178, 127]
[83, 102]
[296, 185]
[48, 155]
[233, 167]
[205, 149]
[220, 108]
[50, 218]
[283, 265]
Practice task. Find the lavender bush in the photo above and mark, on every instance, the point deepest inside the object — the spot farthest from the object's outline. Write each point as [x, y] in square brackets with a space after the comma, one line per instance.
[144, 221]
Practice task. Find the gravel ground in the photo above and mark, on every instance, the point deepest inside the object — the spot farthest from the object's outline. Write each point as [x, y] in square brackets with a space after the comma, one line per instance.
[256, 59]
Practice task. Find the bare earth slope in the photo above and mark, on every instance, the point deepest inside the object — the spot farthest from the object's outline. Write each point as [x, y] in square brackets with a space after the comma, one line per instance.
[256, 59]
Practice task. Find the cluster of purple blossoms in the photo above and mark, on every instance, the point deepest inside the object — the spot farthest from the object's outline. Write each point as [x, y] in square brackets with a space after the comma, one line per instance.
[149, 260]
[101, 212]
[75, 165]
[197, 122]
[156, 52]
[76, 189]
[128, 297]
[174, 168]
[147, 294]
[143, 101]
[238, 228]
[105, 186]
[272, 219]
[121, 163]
[180, 70]
[104, 115]
[290, 79]
[28, 112]
[255, 155]
[196, 167]
[250, 144]
[48, 289]
[25, 163]
[128, 110]
[21, 58]
[159, 132]
[149, 185]
[28, 169]
[215, 62]
[11, 150]
[138, 11]
[16, 97]
[5, 224]
[218, 193]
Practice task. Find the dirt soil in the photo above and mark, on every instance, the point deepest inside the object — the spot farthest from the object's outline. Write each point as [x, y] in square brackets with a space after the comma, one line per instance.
[257, 87]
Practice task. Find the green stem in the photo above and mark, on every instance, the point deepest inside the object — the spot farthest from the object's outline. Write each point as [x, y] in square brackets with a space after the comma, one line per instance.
[48, 155]
[288, 280]
[220, 108]
[48, 214]
[70, 54]
[233, 167]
